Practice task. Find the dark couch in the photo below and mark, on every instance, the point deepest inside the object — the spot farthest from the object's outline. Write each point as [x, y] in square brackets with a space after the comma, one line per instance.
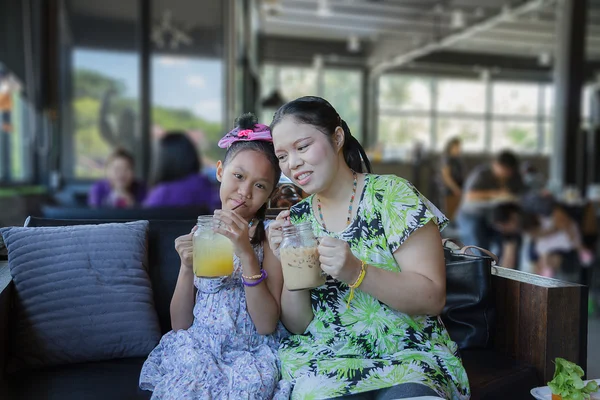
[493, 374]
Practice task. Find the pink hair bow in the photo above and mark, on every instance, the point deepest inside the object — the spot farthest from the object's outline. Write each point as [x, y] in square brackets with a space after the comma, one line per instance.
[260, 132]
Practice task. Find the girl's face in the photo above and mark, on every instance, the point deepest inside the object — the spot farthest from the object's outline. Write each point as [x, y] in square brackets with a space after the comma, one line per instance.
[306, 155]
[119, 173]
[247, 178]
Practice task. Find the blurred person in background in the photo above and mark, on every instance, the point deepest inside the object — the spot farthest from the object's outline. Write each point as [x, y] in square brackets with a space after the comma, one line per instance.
[177, 179]
[452, 176]
[486, 186]
[120, 189]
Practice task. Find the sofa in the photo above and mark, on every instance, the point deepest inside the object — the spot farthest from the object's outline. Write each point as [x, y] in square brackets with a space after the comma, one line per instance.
[536, 319]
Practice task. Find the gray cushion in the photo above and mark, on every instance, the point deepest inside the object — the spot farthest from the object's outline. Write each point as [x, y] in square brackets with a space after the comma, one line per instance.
[82, 294]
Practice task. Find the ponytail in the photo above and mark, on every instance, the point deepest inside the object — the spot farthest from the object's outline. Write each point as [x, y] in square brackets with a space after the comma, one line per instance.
[259, 234]
[354, 153]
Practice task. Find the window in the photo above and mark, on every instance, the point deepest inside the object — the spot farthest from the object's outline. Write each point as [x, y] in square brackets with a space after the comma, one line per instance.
[187, 94]
[460, 96]
[15, 113]
[297, 82]
[105, 107]
[515, 99]
[401, 134]
[343, 88]
[471, 131]
[521, 137]
[187, 74]
[403, 92]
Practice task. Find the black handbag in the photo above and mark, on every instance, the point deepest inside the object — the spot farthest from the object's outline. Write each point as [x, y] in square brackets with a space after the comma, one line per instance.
[469, 314]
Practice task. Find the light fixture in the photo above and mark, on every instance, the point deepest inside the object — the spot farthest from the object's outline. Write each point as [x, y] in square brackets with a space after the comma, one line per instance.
[166, 33]
[457, 19]
[353, 44]
[544, 58]
[272, 7]
[324, 9]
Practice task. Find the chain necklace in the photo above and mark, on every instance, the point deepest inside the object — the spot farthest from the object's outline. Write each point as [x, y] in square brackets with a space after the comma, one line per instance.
[349, 218]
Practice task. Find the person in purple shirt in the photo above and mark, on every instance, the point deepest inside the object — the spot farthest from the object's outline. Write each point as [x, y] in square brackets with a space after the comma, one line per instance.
[120, 189]
[177, 179]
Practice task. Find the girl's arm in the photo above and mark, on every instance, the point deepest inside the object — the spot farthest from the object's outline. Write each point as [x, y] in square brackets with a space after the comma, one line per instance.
[184, 298]
[182, 303]
[263, 300]
[296, 309]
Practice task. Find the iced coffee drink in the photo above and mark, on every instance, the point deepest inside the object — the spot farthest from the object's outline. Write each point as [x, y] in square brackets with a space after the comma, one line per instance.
[300, 258]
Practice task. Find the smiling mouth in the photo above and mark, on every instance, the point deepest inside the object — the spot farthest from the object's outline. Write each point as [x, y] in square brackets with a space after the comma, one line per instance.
[303, 176]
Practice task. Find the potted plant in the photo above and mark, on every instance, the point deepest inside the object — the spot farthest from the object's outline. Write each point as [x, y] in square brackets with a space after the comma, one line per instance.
[567, 384]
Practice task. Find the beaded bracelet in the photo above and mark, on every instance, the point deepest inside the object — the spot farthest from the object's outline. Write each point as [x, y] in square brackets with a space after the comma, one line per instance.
[253, 277]
[263, 274]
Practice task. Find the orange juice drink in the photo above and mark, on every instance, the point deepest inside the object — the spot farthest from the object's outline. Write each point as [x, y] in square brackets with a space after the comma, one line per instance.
[213, 257]
[213, 252]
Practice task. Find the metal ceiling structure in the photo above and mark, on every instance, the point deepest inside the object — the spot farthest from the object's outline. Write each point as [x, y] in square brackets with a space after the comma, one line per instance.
[400, 31]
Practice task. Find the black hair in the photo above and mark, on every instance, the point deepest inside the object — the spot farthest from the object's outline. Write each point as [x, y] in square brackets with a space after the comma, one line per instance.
[248, 121]
[508, 159]
[177, 157]
[319, 113]
[456, 141]
[120, 152]
[502, 213]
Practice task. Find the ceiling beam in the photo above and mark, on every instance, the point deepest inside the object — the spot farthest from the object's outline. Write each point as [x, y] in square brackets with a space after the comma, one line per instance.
[453, 38]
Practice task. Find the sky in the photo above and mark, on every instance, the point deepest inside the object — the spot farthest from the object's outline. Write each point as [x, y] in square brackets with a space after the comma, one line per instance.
[188, 83]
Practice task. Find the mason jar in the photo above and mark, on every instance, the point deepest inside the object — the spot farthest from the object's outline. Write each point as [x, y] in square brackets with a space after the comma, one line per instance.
[213, 252]
[300, 258]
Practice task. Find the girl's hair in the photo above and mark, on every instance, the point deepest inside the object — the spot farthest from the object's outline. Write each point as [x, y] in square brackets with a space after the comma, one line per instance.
[177, 157]
[456, 141]
[319, 113]
[248, 121]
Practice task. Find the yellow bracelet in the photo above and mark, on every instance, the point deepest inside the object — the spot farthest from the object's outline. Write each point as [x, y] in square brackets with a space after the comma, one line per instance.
[361, 277]
[253, 277]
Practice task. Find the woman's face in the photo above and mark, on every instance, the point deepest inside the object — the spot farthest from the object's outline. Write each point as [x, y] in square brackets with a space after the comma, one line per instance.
[306, 155]
[119, 173]
[247, 178]
[455, 150]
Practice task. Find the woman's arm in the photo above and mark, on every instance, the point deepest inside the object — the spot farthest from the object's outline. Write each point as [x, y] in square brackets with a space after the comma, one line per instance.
[263, 300]
[420, 289]
[184, 298]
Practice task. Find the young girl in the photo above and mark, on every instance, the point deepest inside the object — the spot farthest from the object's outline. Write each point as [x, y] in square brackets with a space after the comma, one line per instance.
[372, 331]
[225, 331]
[120, 188]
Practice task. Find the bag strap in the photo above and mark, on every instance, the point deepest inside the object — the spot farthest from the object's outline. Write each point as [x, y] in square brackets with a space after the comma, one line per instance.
[459, 245]
[469, 250]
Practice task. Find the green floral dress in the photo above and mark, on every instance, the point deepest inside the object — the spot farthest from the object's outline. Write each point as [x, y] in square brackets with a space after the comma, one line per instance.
[371, 346]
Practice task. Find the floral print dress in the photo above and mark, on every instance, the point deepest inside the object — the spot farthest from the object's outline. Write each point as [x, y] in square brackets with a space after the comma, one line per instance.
[221, 356]
[371, 346]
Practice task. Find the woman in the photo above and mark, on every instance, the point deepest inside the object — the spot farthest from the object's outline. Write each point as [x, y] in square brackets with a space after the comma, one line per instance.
[119, 189]
[177, 179]
[372, 331]
[453, 176]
